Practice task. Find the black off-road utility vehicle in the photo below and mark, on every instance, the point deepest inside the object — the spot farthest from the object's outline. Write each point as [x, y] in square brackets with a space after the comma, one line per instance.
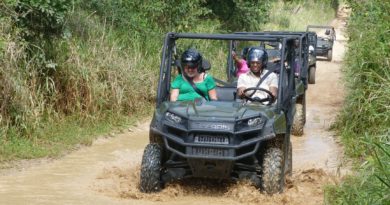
[225, 139]
[312, 58]
[302, 60]
[326, 35]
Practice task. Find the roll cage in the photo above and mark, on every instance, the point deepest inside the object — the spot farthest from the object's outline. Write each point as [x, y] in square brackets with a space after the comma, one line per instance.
[330, 28]
[168, 61]
[302, 51]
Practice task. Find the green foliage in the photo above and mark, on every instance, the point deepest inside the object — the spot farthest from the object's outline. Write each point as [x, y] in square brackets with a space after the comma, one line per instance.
[333, 3]
[365, 120]
[366, 74]
[371, 185]
[239, 15]
[54, 138]
[296, 15]
[147, 18]
[41, 18]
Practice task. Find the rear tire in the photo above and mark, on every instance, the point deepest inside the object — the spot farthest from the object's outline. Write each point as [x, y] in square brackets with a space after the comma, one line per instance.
[329, 56]
[150, 169]
[272, 178]
[312, 75]
[299, 120]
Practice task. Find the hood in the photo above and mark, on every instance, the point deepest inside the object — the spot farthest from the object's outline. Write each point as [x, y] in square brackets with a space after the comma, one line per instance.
[217, 110]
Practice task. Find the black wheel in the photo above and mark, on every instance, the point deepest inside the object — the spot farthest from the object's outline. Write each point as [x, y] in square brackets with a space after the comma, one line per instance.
[312, 75]
[272, 177]
[299, 120]
[151, 168]
[329, 56]
[289, 167]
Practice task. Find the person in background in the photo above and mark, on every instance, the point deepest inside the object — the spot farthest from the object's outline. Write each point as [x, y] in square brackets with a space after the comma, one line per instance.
[193, 83]
[241, 64]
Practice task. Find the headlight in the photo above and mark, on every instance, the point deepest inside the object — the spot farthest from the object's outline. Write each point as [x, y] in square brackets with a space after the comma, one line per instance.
[173, 118]
[256, 122]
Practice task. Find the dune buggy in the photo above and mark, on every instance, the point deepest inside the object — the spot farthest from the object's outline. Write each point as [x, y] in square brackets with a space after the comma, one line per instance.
[326, 35]
[225, 139]
[312, 58]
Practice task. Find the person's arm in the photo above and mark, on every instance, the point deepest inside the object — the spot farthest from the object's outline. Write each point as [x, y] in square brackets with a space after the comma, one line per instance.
[175, 88]
[241, 86]
[274, 91]
[273, 86]
[210, 85]
[213, 94]
[235, 57]
[174, 95]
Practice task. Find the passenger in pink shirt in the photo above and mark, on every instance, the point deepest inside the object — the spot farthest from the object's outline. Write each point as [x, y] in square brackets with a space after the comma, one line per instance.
[242, 66]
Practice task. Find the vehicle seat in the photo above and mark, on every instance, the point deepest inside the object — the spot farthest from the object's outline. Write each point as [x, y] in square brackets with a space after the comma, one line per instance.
[226, 93]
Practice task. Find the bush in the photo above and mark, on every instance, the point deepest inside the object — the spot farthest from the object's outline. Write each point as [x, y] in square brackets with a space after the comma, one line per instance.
[148, 18]
[237, 15]
[364, 121]
[41, 18]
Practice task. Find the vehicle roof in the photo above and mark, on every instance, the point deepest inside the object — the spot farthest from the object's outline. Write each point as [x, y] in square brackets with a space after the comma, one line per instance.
[241, 36]
[286, 34]
[318, 26]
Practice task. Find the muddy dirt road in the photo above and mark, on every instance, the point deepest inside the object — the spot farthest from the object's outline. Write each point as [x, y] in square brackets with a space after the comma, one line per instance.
[108, 171]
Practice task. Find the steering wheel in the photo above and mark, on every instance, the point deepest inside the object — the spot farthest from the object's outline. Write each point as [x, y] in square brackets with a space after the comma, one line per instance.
[270, 97]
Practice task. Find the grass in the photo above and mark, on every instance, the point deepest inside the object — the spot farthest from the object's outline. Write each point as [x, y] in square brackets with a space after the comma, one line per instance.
[371, 182]
[364, 122]
[55, 138]
[296, 16]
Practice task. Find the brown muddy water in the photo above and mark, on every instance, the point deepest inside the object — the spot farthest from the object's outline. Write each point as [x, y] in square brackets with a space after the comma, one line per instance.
[108, 171]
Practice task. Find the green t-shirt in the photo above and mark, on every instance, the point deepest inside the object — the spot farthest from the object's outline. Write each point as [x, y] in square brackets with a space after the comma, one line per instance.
[187, 92]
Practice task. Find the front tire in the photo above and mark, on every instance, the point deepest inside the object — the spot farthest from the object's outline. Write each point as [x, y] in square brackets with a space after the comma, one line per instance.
[299, 120]
[272, 177]
[312, 75]
[151, 169]
[330, 55]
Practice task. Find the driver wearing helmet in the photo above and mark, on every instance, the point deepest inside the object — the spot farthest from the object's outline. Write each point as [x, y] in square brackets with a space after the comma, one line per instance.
[193, 82]
[257, 62]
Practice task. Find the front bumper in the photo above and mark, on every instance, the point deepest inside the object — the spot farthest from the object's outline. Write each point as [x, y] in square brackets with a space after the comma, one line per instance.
[322, 51]
[211, 144]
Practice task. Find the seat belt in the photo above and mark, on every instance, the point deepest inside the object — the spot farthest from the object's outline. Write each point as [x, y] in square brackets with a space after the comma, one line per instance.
[178, 64]
[194, 87]
[261, 80]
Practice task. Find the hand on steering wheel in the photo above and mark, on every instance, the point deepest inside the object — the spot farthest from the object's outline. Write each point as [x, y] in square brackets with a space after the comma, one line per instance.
[270, 97]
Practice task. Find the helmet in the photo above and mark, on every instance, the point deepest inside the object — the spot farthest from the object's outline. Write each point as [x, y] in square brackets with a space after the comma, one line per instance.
[257, 54]
[192, 58]
[244, 53]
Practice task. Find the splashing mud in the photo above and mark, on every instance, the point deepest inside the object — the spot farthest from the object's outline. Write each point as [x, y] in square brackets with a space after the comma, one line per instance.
[305, 187]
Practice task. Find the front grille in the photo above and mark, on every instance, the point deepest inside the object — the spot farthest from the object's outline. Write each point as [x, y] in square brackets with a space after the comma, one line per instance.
[206, 151]
[211, 139]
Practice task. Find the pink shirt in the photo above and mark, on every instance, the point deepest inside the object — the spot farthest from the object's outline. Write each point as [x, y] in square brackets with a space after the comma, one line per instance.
[242, 67]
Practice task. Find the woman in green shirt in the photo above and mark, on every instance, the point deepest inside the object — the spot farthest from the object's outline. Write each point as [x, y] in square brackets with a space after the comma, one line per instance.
[182, 90]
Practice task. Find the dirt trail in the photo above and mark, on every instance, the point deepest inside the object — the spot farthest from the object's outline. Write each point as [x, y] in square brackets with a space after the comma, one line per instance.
[108, 171]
